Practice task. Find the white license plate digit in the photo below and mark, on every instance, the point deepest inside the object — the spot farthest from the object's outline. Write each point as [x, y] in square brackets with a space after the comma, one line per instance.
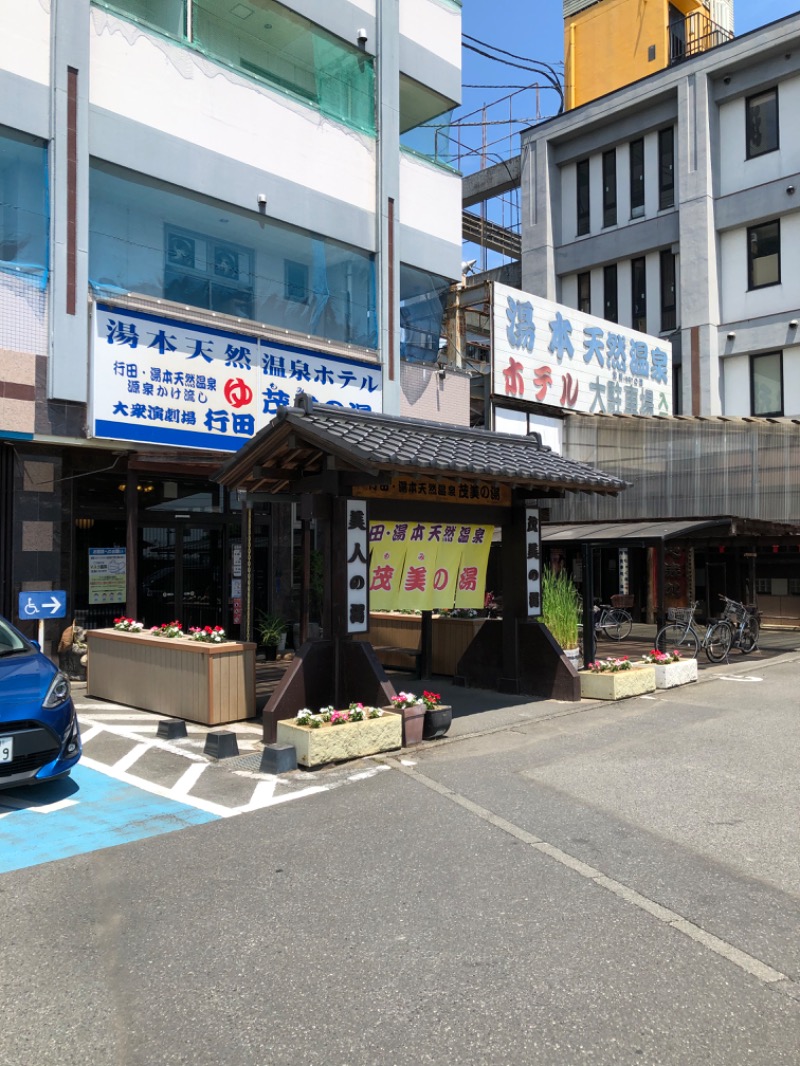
[6, 749]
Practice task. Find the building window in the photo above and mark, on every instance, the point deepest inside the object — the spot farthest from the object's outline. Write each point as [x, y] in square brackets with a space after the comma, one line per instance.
[677, 389]
[295, 281]
[669, 317]
[610, 188]
[764, 255]
[764, 586]
[639, 294]
[610, 301]
[585, 293]
[794, 586]
[666, 168]
[762, 123]
[766, 385]
[206, 272]
[583, 197]
[637, 178]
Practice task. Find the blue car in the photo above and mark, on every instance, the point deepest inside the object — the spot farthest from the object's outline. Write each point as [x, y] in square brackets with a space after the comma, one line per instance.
[39, 736]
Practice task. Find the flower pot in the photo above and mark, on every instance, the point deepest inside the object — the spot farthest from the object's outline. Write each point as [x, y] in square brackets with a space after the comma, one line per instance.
[437, 721]
[270, 652]
[336, 743]
[668, 675]
[617, 685]
[413, 724]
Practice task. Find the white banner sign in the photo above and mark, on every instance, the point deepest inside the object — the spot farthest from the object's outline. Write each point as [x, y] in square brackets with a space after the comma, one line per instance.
[357, 567]
[161, 381]
[533, 566]
[547, 353]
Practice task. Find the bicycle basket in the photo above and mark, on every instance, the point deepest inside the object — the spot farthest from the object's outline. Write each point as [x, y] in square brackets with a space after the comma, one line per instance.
[680, 614]
[622, 601]
[733, 611]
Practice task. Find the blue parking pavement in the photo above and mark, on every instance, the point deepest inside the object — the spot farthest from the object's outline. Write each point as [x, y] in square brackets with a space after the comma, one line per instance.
[84, 812]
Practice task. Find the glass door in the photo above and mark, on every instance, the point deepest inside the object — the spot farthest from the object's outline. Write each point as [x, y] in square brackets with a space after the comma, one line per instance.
[180, 574]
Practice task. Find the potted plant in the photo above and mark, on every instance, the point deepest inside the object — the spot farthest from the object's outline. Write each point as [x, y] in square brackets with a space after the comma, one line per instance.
[413, 710]
[616, 679]
[561, 606]
[670, 668]
[333, 735]
[438, 716]
[271, 631]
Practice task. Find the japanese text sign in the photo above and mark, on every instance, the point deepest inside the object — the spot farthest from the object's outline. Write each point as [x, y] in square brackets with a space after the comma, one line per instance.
[547, 353]
[533, 569]
[162, 381]
[357, 567]
[428, 566]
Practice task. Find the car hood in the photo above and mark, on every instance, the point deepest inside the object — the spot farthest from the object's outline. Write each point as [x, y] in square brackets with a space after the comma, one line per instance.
[24, 680]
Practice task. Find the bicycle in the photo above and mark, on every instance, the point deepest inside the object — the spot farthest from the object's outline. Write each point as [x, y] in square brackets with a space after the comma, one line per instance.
[614, 620]
[682, 635]
[743, 620]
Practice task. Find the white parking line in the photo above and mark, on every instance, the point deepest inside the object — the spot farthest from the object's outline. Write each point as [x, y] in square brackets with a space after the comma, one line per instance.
[131, 757]
[189, 779]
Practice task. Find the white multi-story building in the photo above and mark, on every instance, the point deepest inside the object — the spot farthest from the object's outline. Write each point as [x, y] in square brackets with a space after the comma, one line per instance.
[204, 207]
[671, 206]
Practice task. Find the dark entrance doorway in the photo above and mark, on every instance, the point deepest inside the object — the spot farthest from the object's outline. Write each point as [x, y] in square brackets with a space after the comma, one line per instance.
[181, 573]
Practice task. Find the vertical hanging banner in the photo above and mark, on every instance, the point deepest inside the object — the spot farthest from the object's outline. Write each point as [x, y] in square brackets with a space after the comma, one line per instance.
[533, 568]
[416, 587]
[448, 560]
[357, 567]
[387, 553]
[474, 542]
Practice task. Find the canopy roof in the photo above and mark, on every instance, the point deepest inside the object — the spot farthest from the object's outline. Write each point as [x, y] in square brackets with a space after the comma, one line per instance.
[650, 532]
[308, 440]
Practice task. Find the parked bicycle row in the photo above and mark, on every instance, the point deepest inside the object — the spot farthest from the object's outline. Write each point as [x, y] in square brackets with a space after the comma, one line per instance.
[737, 628]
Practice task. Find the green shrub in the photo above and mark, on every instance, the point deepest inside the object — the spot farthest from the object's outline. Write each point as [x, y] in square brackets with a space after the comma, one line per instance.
[561, 607]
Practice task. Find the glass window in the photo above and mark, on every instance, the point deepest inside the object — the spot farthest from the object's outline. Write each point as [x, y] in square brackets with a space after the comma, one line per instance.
[168, 16]
[639, 294]
[666, 168]
[583, 197]
[585, 293]
[610, 188]
[677, 389]
[208, 272]
[762, 123]
[668, 297]
[423, 297]
[155, 239]
[425, 122]
[610, 302]
[266, 40]
[23, 204]
[637, 178]
[764, 255]
[766, 384]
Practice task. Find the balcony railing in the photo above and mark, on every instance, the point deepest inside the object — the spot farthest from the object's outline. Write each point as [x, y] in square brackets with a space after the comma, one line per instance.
[695, 34]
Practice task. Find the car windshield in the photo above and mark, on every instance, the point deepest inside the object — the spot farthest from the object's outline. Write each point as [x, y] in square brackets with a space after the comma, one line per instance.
[11, 643]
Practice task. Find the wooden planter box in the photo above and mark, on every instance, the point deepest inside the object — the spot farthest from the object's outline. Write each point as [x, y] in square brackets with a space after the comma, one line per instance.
[450, 638]
[668, 675]
[617, 686]
[336, 743]
[207, 683]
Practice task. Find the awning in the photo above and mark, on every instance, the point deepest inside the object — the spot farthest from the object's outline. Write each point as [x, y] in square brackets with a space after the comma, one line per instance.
[642, 532]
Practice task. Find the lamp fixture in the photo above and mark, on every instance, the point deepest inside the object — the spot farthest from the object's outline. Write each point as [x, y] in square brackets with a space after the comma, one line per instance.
[790, 190]
[84, 523]
[731, 335]
[361, 37]
[793, 323]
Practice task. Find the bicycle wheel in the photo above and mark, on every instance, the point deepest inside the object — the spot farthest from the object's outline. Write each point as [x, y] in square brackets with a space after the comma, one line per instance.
[718, 642]
[748, 636]
[677, 638]
[619, 624]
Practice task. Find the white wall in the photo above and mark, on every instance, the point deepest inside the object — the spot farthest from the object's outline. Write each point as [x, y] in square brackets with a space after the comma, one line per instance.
[736, 170]
[167, 87]
[791, 382]
[430, 200]
[739, 304]
[736, 385]
[434, 25]
[25, 39]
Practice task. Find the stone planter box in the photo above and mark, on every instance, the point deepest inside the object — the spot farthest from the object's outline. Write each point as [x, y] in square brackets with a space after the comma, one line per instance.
[207, 683]
[617, 686]
[336, 743]
[669, 675]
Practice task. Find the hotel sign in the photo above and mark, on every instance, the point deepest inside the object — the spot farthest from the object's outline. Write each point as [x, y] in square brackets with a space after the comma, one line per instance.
[546, 353]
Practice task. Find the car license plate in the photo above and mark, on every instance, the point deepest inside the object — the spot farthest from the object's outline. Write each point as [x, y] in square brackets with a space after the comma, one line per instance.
[6, 749]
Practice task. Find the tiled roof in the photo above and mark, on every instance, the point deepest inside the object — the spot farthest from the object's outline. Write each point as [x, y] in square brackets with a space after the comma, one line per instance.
[393, 445]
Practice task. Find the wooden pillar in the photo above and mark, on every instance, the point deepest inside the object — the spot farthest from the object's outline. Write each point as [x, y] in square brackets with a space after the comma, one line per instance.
[589, 643]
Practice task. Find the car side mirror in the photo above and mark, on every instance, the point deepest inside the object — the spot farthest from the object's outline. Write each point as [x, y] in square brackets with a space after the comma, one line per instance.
[36, 645]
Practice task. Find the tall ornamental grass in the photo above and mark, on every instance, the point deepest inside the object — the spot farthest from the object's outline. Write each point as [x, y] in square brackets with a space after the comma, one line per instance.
[561, 607]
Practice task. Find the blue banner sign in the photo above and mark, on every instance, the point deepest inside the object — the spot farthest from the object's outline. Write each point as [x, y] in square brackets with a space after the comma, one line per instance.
[42, 604]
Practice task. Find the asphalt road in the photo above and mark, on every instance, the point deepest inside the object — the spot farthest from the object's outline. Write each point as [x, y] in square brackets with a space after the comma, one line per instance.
[616, 885]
